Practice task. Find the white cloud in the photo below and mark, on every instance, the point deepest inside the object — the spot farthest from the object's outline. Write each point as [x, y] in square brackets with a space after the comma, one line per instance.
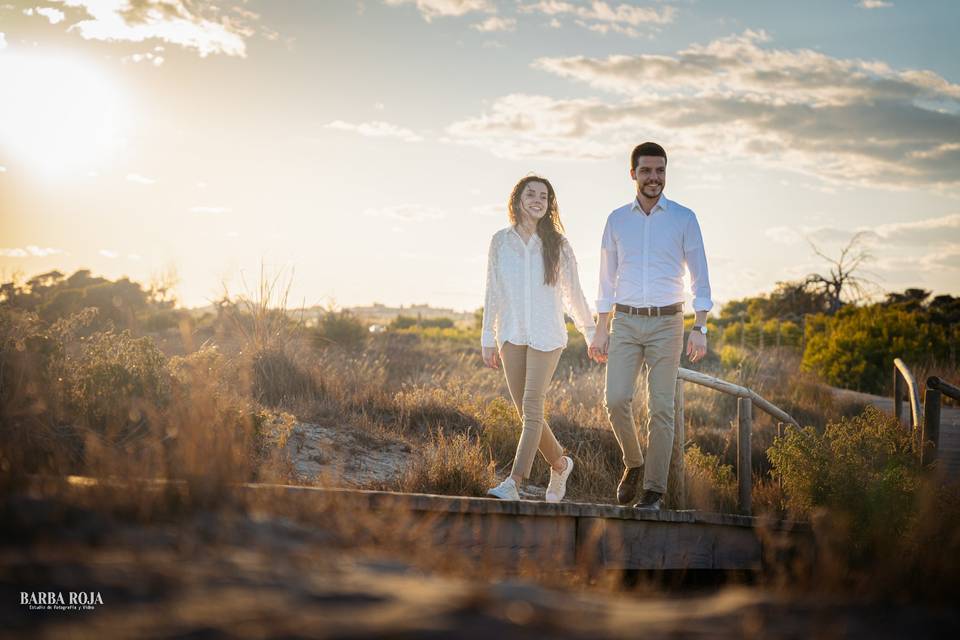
[175, 21]
[842, 120]
[30, 251]
[921, 232]
[431, 9]
[489, 210]
[109, 253]
[139, 179]
[603, 17]
[496, 23]
[208, 209]
[874, 4]
[3, 40]
[406, 213]
[153, 58]
[783, 235]
[375, 129]
[51, 14]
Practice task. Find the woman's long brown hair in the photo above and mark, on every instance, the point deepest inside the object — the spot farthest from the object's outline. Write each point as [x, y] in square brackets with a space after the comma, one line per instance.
[549, 227]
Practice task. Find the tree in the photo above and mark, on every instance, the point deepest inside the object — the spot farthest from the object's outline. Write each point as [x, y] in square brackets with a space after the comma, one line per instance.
[843, 284]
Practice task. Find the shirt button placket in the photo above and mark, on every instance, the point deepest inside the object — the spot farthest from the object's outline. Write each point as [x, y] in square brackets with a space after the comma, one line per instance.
[529, 291]
[646, 257]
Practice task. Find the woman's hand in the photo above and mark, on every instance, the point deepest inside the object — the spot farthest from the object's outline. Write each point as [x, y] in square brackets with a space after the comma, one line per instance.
[491, 357]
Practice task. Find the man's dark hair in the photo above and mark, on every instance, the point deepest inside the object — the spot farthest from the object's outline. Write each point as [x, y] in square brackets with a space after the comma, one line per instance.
[647, 149]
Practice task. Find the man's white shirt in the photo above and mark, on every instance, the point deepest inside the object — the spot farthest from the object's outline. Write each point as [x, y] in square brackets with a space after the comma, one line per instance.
[642, 257]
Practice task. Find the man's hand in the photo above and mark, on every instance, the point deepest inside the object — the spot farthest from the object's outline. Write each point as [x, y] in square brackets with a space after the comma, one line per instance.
[696, 346]
[491, 357]
[598, 347]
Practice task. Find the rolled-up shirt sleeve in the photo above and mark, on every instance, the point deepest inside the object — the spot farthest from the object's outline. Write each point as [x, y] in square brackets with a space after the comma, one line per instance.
[491, 300]
[608, 270]
[695, 258]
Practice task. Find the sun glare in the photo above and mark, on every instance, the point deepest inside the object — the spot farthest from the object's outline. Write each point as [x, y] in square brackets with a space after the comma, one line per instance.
[58, 116]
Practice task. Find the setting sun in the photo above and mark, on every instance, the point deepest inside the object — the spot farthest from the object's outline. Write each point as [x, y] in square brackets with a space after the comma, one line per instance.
[59, 114]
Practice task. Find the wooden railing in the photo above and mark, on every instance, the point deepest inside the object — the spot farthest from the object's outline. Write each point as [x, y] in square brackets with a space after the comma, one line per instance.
[925, 418]
[931, 416]
[746, 399]
[903, 381]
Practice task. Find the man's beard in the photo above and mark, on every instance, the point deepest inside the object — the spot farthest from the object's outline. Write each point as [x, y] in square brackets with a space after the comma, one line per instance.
[657, 189]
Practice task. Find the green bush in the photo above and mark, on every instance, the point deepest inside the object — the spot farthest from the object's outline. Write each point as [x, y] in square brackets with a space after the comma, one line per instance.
[406, 322]
[340, 328]
[863, 471]
[711, 485]
[855, 348]
[114, 378]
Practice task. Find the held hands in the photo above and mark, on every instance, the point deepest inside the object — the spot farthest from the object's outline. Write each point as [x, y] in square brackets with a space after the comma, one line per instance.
[491, 357]
[598, 347]
[696, 346]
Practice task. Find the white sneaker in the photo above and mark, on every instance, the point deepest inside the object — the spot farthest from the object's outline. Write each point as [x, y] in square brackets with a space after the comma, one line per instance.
[506, 490]
[558, 482]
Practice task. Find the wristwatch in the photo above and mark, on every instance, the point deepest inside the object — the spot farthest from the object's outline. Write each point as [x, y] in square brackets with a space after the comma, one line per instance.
[701, 328]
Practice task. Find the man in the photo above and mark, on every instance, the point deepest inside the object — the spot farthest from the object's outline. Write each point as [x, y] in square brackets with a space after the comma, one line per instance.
[645, 246]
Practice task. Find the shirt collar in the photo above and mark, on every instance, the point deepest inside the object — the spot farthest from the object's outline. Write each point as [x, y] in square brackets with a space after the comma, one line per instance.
[535, 236]
[662, 205]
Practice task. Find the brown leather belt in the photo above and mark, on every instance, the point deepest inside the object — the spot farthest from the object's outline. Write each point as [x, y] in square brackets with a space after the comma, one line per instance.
[650, 311]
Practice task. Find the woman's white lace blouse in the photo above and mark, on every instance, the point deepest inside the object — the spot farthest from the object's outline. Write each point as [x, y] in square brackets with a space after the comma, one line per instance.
[521, 309]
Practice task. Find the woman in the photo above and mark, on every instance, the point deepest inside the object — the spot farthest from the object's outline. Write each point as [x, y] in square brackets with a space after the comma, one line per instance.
[532, 279]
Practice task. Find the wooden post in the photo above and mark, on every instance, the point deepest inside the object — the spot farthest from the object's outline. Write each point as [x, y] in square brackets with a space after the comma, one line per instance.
[897, 394]
[744, 462]
[676, 480]
[780, 435]
[931, 426]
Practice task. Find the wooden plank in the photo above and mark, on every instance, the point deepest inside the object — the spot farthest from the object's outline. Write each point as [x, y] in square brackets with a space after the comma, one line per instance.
[948, 454]
[505, 539]
[639, 544]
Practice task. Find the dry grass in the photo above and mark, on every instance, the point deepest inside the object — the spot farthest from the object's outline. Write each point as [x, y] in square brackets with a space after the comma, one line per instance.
[229, 404]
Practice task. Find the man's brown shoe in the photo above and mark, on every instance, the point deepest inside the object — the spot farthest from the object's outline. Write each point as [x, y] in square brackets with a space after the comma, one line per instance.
[651, 501]
[627, 489]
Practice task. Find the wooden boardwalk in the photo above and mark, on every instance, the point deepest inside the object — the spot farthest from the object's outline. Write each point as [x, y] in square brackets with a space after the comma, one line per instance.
[564, 535]
[949, 425]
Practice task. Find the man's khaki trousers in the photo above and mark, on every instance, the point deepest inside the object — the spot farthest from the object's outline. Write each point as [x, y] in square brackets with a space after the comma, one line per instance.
[655, 343]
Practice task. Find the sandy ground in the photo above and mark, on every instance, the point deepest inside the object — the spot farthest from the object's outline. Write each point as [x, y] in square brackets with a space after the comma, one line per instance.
[340, 456]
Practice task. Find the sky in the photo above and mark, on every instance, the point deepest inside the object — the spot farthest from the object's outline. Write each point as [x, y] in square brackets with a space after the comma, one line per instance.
[364, 151]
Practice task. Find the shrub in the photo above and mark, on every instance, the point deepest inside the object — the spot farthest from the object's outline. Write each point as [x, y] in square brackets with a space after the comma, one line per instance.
[862, 470]
[457, 465]
[277, 377]
[500, 430]
[114, 378]
[340, 328]
[711, 486]
[855, 349]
